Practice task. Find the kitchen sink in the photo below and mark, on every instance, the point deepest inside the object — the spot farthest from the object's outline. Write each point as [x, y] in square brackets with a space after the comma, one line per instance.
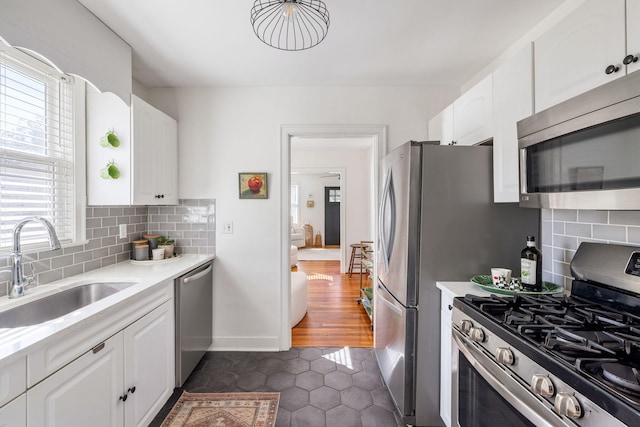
[59, 304]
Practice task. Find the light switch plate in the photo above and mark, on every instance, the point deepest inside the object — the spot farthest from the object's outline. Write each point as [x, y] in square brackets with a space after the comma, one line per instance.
[227, 227]
[123, 231]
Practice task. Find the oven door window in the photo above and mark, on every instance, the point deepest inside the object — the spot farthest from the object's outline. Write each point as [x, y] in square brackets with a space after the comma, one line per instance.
[479, 405]
[603, 157]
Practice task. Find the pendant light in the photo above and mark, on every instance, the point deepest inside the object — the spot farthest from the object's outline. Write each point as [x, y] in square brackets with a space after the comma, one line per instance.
[290, 24]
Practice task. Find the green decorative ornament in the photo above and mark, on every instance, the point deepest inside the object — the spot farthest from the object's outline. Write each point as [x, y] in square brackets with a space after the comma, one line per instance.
[110, 171]
[110, 139]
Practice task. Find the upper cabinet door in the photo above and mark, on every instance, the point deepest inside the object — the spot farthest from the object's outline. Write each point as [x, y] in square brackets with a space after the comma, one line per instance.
[472, 114]
[155, 155]
[441, 126]
[633, 34]
[584, 50]
[512, 101]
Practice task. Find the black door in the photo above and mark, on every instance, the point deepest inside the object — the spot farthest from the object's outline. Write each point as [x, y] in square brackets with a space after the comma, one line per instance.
[332, 216]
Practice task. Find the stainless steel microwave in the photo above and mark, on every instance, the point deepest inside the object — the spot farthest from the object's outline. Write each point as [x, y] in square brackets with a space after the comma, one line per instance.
[584, 153]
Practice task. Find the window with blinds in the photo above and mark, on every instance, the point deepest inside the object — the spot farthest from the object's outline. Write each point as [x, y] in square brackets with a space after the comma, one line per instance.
[37, 172]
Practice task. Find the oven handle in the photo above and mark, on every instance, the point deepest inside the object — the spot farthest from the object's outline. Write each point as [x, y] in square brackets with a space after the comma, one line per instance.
[507, 386]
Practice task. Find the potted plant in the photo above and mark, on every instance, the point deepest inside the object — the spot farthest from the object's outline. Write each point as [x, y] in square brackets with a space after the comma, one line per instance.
[167, 244]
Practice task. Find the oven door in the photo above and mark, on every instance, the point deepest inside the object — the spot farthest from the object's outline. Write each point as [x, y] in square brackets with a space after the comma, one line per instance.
[483, 393]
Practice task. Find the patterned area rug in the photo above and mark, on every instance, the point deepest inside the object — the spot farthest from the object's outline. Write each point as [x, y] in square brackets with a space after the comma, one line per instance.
[224, 410]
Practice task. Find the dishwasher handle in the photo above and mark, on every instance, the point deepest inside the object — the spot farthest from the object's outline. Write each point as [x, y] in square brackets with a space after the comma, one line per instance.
[198, 275]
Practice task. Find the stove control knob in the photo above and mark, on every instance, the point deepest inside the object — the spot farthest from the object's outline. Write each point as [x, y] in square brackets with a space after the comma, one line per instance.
[542, 385]
[476, 334]
[505, 356]
[466, 326]
[566, 404]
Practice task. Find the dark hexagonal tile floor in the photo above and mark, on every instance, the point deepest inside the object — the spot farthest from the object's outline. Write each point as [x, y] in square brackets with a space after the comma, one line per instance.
[318, 386]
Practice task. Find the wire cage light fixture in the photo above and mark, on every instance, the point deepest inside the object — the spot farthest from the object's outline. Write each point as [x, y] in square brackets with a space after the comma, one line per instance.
[290, 24]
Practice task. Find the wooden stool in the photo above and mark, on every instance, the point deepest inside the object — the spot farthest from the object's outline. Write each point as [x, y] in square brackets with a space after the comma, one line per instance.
[355, 258]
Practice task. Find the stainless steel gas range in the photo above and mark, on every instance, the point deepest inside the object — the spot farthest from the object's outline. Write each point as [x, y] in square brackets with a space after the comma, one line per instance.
[553, 360]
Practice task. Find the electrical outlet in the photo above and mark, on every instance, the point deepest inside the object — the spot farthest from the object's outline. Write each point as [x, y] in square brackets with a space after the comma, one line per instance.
[123, 231]
[227, 227]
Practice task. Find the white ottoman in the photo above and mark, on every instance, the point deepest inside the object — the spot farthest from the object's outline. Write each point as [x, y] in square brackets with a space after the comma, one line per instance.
[294, 255]
[299, 296]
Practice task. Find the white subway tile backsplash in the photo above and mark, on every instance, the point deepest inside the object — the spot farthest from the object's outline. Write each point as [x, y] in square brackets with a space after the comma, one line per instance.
[104, 247]
[593, 217]
[625, 217]
[633, 234]
[614, 233]
[567, 242]
[578, 230]
[564, 230]
[565, 215]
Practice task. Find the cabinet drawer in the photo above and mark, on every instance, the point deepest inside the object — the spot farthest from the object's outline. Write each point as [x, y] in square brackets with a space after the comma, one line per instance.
[13, 380]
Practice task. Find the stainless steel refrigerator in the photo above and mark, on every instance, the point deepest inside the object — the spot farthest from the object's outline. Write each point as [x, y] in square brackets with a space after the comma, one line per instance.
[438, 222]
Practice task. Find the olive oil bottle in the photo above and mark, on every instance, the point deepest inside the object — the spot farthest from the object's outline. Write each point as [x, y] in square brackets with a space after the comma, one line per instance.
[531, 266]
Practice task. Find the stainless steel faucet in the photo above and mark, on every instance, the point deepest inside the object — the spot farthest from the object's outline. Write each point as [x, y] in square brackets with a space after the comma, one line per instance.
[17, 282]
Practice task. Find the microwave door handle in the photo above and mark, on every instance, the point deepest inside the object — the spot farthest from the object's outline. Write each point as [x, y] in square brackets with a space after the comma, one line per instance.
[386, 241]
[518, 396]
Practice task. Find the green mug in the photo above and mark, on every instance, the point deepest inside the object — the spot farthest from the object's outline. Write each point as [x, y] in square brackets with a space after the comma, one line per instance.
[110, 139]
[110, 171]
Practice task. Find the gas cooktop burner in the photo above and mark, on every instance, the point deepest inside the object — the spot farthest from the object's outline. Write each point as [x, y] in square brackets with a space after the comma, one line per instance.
[622, 375]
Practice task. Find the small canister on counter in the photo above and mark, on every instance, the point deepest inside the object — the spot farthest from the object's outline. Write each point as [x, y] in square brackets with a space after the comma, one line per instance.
[153, 243]
[135, 243]
[141, 252]
[153, 240]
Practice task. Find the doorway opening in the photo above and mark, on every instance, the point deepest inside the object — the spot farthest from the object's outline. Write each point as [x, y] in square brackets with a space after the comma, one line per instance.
[334, 143]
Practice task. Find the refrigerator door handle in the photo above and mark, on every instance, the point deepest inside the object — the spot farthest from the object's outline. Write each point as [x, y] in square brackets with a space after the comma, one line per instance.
[388, 200]
[387, 302]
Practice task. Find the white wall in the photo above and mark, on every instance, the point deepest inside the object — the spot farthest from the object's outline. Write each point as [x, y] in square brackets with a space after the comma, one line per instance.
[356, 194]
[311, 187]
[223, 131]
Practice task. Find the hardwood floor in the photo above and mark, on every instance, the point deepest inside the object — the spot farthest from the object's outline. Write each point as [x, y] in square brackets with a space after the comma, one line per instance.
[334, 318]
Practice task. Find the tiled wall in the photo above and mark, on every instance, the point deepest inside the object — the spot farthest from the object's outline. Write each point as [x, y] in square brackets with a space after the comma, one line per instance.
[191, 223]
[564, 230]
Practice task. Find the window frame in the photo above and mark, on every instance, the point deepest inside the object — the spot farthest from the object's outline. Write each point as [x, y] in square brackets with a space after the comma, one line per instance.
[78, 137]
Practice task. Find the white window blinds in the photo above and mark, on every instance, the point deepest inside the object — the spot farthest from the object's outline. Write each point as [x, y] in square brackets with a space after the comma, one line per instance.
[36, 149]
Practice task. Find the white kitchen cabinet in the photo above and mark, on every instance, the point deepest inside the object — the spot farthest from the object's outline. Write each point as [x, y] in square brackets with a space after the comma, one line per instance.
[147, 156]
[472, 114]
[155, 155]
[512, 101]
[123, 381]
[633, 34]
[85, 392]
[14, 413]
[573, 56]
[149, 367]
[446, 301]
[441, 126]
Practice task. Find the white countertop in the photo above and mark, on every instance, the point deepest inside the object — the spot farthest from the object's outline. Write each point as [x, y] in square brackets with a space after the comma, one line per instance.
[460, 289]
[16, 342]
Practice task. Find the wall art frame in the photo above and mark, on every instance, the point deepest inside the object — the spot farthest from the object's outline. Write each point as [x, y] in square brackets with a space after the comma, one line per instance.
[253, 185]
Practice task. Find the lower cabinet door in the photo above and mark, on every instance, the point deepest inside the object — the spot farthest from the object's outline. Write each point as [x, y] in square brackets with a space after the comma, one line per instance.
[14, 413]
[149, 368]
[86, 392]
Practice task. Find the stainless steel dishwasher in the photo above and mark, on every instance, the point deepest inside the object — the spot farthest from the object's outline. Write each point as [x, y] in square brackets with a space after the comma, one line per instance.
[194, 328]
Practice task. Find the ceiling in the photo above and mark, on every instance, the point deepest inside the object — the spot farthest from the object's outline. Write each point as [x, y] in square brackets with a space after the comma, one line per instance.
[193, 43]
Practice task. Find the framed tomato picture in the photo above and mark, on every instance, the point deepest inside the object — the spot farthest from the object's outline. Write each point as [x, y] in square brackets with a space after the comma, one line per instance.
[253, 185]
